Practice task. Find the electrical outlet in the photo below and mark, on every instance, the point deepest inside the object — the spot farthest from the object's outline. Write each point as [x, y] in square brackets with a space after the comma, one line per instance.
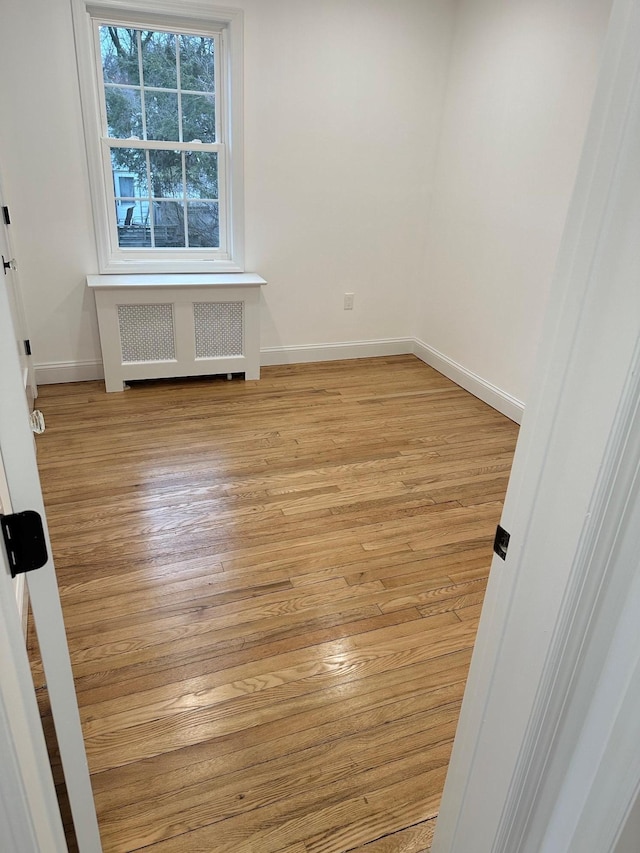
[348, 302]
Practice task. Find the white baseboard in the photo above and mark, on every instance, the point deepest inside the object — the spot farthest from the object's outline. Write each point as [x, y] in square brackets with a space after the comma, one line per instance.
[335, 352]
[68, 371]
[83, 371]
[494, 397]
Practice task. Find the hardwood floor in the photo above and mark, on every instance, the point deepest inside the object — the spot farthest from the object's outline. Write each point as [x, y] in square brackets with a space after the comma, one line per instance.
[271, 592]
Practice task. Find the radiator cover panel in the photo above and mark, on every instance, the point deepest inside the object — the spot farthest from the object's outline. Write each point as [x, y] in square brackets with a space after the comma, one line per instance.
[218, 329]
[146, 333]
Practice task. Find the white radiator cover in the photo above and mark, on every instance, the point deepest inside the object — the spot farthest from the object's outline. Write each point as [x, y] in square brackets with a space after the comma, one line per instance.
[169, 325]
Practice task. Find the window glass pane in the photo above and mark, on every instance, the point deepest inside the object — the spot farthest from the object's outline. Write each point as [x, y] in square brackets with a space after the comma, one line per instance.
[159, 59]
[159, 88]
[202, 174]
[126, 186]
[197, 63]
[166, 174]
[198, 118]
[124, 113]
[133, 163]
[168, 218]
[134, 230]
[204, 230]
[119, 49]
[161, 110]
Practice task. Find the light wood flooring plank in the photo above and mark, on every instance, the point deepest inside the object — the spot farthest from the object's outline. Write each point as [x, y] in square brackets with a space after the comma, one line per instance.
[414, 839]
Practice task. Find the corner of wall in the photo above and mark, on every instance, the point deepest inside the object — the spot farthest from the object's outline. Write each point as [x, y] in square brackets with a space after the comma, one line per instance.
[485, 391]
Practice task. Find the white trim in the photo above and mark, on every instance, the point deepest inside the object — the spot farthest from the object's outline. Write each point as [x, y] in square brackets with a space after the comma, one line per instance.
[54, 372]
[546, 756]
[579, 728]
[20, 712]
[58, 372]
[335, 352]
[29, 812]
[476, 385]
[19, 318]
[107, 282]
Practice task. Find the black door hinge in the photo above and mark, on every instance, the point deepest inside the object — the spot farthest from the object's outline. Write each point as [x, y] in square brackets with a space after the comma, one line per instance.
[27, 347]
[5, 214]
[24, 539]
[501, 542]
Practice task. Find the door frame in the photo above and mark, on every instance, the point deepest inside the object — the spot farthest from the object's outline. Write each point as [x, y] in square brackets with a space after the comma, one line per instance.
[27, 372]
[23, 481]
[18, 312]
[29, 811]
[546, 756]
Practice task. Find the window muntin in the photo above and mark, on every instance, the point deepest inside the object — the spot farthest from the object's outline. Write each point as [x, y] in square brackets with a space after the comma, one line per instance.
[161, 139]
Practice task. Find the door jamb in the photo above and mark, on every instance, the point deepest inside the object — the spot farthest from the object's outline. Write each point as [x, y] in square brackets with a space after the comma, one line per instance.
[504, 778]
[24, 490]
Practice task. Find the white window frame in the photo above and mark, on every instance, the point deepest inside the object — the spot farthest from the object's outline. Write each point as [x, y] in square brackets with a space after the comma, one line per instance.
[187, 16]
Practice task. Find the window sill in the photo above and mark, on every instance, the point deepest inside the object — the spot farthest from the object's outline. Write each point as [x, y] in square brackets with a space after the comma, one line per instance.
[111, 282]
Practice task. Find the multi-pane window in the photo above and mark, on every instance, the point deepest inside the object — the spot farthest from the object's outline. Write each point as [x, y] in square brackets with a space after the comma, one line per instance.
[161, 88]
[161, 138]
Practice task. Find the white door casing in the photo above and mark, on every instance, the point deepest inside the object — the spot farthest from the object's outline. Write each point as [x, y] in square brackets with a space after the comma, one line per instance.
[16, 305]
[18, 454]
[26, 365]
[546, 757]
[29, 813]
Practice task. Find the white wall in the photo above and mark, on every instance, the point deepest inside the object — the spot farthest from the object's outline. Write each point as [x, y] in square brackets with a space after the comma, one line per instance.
[343, 104]
[340, 153]
[520, 87]
[44, 175]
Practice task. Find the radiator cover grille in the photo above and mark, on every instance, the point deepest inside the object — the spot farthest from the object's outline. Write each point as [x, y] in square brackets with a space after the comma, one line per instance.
[218, 328]
[146, 333]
